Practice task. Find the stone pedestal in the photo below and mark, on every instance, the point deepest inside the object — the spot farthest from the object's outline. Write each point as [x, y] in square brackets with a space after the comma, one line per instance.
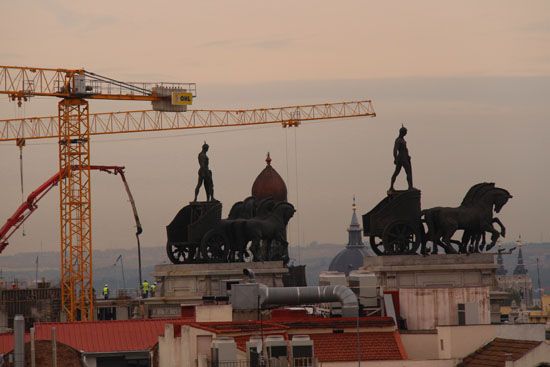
[435, 271]
[193, 281]
[183, 284]
[439, 289]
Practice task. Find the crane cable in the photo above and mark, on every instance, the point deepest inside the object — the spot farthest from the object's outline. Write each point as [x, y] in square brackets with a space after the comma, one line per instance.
[287, 171]
[298, 227]
[20, 142]
[297, 195]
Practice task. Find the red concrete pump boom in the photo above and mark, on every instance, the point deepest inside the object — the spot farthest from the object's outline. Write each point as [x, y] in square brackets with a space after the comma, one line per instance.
[30, 205]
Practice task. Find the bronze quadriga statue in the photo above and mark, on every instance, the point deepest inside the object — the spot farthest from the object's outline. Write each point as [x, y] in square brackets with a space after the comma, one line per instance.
[254, 230]
[397, 226]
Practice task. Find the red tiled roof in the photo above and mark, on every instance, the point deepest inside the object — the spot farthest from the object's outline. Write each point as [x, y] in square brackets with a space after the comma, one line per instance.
[308, 322]
[138, 335]
[231, 327]
[105, 336]
[373, 346]
[6, 342]
[493, 354]
[98, 336]
[342, 347]
[338, 323]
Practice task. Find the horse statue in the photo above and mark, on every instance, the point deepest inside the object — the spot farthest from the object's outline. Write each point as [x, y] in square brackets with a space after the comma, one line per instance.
[264, 207]
[261, 222]
[474, 216]
[269, 228]
[243, 209]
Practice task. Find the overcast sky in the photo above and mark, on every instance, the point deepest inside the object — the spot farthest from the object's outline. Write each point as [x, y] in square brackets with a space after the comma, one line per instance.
[470, 79]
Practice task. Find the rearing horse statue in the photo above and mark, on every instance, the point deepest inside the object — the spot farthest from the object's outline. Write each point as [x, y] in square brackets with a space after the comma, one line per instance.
[474, 216]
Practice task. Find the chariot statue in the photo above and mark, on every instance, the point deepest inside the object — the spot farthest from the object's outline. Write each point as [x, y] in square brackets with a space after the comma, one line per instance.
[398, 226]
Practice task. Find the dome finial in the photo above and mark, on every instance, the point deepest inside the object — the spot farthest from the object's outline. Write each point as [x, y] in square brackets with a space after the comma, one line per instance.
[353, 206]
[268, 159]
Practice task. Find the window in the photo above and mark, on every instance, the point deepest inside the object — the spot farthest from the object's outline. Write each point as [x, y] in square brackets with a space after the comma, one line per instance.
[461, 314]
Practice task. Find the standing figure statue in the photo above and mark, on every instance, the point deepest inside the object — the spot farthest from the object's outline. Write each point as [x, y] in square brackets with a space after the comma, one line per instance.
[401, 159]
[205, 175]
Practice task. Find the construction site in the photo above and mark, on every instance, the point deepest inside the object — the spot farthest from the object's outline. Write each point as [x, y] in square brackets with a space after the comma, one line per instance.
[264, 212]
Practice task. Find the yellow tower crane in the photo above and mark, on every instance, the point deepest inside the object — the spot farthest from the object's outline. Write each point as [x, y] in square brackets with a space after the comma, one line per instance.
[74, 125]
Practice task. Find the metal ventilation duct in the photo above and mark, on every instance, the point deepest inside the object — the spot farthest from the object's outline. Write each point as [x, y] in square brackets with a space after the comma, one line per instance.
[287, 296]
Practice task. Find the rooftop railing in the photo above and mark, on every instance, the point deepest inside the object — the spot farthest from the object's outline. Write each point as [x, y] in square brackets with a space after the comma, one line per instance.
[263, 362]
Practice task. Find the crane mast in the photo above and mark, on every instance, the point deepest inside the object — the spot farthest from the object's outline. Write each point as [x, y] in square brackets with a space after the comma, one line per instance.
[75, 210]
[74, 125]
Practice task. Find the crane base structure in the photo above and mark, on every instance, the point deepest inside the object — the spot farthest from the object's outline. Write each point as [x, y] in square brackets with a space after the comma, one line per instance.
[75, 210]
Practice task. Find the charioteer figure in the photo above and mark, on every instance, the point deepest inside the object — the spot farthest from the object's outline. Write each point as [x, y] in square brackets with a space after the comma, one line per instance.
[401, 159]
[205, 175]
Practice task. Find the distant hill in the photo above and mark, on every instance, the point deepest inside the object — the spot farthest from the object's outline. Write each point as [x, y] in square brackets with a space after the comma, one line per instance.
[23, 266]
[315, 256]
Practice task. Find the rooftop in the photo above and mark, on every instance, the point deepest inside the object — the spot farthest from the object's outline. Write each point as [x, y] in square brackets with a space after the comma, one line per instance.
[372, 346]
[335, 339]
[494, 353]
[342, 347]
[97, 336]
[282, 325]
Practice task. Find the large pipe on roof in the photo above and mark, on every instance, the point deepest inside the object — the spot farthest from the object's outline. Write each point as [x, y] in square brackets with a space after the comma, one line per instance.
[287, 296]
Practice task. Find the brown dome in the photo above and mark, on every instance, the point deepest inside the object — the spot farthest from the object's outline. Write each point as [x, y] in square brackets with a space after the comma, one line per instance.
[269, 184]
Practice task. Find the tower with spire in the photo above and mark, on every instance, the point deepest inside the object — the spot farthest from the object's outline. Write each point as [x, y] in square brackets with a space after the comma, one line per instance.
[519, 281]
[351, 257]
[354, 230]
[520, 269]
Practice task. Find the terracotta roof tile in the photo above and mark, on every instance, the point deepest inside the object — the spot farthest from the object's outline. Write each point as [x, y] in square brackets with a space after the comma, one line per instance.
[134, 335]
[7, 342]
[338, 323]
[342, 347]
[233, 327]
[309, 322]
[493, 354]
[98, 336]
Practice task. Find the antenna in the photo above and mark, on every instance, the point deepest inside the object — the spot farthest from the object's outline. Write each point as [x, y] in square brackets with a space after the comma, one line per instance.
[541, 291]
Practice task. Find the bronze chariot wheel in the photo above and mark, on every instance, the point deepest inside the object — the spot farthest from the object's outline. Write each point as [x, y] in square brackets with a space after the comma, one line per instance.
[401, 238]
[214, 246]
[181, 252]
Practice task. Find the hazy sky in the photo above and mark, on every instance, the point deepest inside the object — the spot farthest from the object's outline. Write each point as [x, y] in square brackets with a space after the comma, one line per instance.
[470, 79]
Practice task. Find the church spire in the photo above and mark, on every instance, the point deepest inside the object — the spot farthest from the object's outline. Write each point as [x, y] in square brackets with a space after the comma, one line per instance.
[520, 268]
[354, 230]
